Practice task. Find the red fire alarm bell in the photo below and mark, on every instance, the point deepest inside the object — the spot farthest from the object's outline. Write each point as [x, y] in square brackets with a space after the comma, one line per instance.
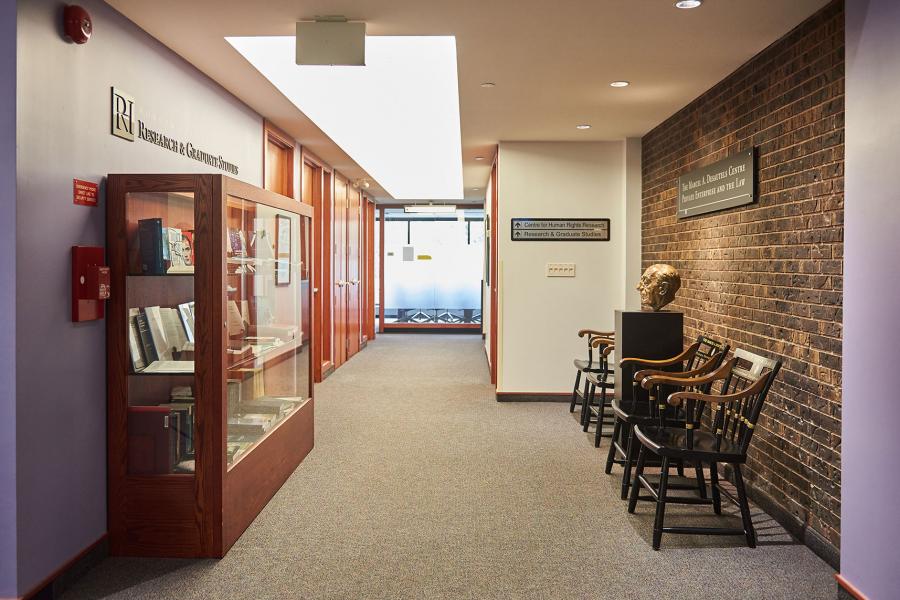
[90, 283]
[77, 24]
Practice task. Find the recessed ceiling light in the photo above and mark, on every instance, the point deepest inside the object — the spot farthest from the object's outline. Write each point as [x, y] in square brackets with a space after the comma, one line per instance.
[583, 126]
[479, 158]
[688, 3]
[620, 83]
[474, 189]
[488, 84]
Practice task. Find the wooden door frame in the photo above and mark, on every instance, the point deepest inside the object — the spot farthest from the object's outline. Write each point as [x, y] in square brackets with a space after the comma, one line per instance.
[380, 269]
[279, 138]
[322, 363]
[495, 276]
[369, 321]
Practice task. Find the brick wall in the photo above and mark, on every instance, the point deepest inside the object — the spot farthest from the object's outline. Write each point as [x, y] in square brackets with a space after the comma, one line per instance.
[768, 276]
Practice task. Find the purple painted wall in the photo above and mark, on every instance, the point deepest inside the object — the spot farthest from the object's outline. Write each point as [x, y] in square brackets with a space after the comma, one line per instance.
[8, 299]
[63, 131]
[870, 527]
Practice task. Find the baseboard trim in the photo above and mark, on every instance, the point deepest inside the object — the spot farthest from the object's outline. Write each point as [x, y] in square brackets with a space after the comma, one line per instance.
[534, 396]
[71, 571]
[797, 528]
[849, 588]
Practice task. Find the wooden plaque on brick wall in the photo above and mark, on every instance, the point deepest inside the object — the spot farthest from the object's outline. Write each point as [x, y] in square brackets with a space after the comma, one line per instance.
[724, 184]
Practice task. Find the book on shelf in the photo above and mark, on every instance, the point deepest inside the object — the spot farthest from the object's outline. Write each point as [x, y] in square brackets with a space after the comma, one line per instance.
[185, 428]
[237, 243]
[235, 319]
[180, 257]
[157, 332]
[135, 346]
[153, 248]
[150, 440]
[171, 367]
[236, 425]
[176, 337]
[182, 393]
[145, 337]
[186, 312]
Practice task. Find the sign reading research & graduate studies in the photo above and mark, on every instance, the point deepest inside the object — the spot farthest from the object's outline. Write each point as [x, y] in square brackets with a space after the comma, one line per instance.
[724, 184]
[123, 126]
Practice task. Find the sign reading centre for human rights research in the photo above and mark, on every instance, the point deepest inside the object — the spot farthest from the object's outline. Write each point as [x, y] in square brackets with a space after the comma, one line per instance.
[123, 126]
[559, 230]
[724, 184]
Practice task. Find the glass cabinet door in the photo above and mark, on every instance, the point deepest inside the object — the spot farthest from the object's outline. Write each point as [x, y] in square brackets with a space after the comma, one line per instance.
[267, 353]
[161, 333]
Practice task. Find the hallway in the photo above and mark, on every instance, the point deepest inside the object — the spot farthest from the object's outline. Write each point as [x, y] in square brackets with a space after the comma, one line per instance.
[421, 485]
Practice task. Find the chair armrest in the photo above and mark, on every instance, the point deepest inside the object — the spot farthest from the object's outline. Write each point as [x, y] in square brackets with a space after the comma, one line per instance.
[666, 362]
[701, 370]
[600, 341]
[678, 397]
[609, 349]
[682, 381]
[594, 332]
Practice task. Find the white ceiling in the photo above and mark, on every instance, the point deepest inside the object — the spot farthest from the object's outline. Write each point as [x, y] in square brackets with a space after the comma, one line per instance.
[551, 62]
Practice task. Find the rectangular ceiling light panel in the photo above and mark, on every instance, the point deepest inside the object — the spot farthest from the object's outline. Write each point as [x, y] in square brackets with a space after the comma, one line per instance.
[331, 43]
[397, 117]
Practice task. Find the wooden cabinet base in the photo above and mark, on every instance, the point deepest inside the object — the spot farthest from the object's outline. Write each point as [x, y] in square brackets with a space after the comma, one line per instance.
[161, 517]
[251, 483]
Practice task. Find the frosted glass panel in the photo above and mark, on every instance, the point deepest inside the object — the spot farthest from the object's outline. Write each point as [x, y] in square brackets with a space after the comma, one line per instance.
[433, 270]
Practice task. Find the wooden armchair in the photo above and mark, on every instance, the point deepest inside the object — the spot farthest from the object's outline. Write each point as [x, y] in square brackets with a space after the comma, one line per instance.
[723, 438]
[697, 360]
[596, 341]
[605, 381]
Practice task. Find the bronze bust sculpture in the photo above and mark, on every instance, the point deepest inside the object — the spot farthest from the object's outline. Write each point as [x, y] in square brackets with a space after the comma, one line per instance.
[658, 285]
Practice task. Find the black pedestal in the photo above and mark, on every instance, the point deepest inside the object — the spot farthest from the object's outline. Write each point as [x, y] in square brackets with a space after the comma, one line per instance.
[645, 334]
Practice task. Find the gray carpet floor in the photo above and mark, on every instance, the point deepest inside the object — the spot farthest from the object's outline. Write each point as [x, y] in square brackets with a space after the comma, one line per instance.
[421, 485]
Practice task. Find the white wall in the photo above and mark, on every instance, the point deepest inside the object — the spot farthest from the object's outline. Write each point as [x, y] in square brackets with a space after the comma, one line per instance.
[540, 316]
[63, 132]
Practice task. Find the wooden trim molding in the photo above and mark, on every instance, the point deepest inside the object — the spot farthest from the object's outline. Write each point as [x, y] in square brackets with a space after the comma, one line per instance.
[476, 326]
[849, 587]
[71, 566]
[533, 396]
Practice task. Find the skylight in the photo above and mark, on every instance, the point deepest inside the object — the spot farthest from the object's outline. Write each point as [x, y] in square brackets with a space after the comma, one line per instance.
[397, 117]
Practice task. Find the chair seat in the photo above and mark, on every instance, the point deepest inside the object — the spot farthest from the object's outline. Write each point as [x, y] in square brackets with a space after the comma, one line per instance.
[583, 365]
[633, 412]
[594, 378]
[670, 441]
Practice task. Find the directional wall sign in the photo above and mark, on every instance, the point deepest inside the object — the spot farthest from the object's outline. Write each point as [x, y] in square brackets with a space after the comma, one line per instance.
[559, 230]
[724, 184]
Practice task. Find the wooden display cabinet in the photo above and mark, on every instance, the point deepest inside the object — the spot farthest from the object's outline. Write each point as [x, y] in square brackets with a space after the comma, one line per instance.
[210, 403]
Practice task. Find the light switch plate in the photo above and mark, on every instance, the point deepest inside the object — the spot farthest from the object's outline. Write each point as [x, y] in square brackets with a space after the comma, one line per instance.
[560, 269]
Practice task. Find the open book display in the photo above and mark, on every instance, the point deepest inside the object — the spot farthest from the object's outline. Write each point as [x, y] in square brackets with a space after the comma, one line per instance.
[161, 340]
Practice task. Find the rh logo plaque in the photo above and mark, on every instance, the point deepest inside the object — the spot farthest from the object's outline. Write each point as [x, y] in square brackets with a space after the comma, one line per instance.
[122, 115]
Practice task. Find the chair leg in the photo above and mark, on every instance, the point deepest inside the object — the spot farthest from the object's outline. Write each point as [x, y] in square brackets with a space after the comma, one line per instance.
[680, 468]
[601, 409]
[636, 486]
[701, 480]
[661, 503]
[589, 391]
[745, 507]
[629, 458]
[575, 390]
[617, 428]
[714, 486]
